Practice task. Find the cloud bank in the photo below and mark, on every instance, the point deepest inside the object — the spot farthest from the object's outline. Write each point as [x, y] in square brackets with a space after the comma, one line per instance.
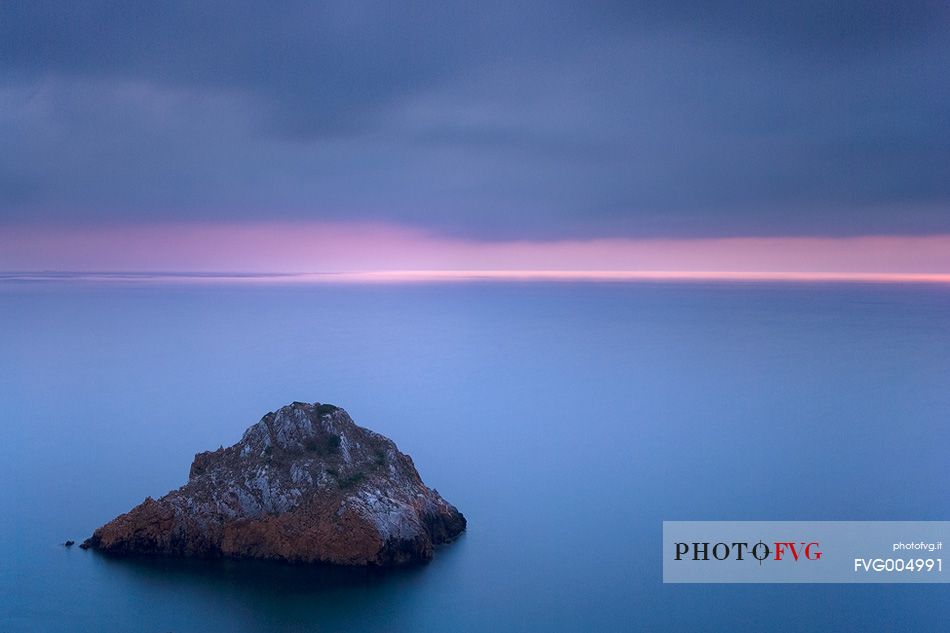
[492, 122]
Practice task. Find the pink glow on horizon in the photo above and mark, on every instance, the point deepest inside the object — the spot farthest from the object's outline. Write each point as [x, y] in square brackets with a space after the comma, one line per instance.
[366, 252]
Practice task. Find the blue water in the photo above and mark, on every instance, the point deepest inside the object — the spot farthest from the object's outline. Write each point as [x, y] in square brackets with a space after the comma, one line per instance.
[566, 422]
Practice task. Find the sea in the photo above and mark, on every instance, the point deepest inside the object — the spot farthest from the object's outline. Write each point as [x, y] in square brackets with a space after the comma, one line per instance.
[566, 420]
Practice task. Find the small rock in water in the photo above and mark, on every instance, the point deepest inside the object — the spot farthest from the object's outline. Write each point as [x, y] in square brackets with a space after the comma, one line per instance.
[69, 543]
[305, 484]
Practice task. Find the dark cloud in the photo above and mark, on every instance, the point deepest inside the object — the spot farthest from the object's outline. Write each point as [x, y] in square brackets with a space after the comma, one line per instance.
[517, 120]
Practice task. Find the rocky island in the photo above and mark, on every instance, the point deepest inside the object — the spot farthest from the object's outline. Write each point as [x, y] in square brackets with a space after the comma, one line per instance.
[305, 484]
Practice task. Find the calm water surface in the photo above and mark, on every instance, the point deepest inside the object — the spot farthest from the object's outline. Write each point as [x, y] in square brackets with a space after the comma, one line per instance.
[566, 421]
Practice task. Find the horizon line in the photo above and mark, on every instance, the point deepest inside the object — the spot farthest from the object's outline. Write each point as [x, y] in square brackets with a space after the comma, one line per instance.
[464, 275]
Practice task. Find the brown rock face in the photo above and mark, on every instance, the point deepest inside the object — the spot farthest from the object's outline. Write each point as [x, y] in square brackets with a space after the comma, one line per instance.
[305, 484]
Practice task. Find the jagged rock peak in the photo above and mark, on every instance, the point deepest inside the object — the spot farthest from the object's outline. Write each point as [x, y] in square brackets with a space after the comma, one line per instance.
[304, 484]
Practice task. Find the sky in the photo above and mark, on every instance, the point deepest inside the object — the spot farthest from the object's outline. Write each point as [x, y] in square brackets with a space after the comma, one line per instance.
[674, 135]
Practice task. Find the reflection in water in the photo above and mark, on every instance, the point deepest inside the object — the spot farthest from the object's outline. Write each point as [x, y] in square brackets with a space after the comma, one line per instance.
[250, 595]
[253, 577]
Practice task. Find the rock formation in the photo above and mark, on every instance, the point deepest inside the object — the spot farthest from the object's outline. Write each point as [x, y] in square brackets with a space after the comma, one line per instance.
[305, 484]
